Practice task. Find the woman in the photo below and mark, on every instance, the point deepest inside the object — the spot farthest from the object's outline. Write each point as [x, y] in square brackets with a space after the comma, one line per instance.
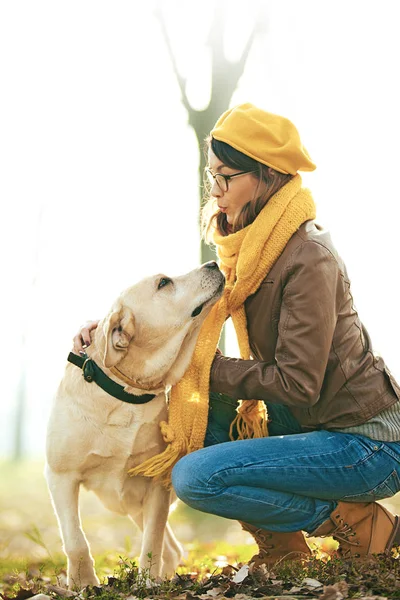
[334, 418]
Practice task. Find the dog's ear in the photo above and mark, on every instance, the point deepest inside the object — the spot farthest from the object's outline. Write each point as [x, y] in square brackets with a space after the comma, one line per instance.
[119, 328]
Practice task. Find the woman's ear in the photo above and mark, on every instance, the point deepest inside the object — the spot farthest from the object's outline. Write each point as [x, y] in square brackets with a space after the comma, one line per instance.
[118, 329]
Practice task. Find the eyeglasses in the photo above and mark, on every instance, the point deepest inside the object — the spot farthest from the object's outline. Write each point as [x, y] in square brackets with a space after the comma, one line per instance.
[222, 180]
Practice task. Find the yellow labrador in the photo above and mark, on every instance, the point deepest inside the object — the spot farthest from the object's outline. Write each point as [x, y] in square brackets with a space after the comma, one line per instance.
[94, 438]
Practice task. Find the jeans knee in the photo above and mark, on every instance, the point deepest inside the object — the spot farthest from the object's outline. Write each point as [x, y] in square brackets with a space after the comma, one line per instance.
[181, 477]
[188, 483]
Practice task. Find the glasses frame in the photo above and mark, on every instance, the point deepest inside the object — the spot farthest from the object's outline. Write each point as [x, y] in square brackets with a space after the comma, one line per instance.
[226, 177]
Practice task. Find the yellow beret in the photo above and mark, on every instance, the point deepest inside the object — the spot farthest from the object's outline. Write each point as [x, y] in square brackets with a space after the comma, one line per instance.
[268, 138]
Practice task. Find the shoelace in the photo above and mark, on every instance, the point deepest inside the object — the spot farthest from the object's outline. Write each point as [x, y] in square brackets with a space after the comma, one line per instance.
[342, 533]
[261, 539]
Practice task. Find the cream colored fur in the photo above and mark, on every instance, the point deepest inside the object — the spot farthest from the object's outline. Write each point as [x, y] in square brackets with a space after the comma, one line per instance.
[93, 439]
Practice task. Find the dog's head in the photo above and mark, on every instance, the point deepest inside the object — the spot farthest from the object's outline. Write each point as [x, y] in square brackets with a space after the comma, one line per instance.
[152, 329]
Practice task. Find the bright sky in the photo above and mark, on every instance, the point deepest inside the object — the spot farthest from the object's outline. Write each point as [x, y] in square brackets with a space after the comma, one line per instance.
[99, 166]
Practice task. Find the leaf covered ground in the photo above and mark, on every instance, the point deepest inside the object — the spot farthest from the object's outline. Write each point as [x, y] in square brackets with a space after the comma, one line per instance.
[216, 551]
[334, 579]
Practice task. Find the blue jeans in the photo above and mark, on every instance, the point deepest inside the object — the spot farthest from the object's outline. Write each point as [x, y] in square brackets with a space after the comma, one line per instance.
[290, 481]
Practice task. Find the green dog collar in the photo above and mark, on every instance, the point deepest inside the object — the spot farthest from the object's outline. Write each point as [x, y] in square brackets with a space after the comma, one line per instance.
[91, 372]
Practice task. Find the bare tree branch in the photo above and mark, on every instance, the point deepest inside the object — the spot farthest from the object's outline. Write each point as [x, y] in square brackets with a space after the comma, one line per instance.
[224, 74]
[181, 80]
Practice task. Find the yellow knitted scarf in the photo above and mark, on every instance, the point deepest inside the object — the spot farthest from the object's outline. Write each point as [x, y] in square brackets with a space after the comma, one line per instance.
[245, 257]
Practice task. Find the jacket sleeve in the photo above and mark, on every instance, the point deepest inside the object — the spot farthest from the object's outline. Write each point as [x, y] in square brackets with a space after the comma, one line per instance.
[312, 291]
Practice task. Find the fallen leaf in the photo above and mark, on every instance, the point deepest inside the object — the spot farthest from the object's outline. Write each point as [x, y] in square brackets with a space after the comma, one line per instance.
[184, 581]
[311, 583]
[330, 593]
[228, 570]
[22, 594]
[215, 592]
[342, 587]
[374, 598]
[241, 574]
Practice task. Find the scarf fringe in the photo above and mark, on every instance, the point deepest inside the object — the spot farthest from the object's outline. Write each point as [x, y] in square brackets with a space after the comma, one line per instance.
[160, 466]
[251, 421]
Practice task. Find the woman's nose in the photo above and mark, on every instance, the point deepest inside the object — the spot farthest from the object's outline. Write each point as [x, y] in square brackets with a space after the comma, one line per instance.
[216, 191]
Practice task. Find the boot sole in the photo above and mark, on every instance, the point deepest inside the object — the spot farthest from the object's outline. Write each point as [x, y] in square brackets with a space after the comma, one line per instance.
[394, 539]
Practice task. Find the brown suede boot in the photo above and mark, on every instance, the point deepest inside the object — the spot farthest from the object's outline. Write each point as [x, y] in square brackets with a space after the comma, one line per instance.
[361, 529]
[274, 546]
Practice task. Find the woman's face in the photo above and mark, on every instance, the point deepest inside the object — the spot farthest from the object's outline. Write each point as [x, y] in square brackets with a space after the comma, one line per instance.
[241, 189]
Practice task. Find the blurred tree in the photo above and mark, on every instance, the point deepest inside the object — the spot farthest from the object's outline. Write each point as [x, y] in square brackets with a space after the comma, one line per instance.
[225, 75]
[20, 404]
[21, 391]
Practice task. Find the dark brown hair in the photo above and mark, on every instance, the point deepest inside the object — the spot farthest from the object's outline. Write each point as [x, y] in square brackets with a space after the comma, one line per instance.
[211, 217]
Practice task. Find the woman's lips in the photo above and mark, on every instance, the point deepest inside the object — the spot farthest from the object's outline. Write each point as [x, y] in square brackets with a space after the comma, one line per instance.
[222, 208]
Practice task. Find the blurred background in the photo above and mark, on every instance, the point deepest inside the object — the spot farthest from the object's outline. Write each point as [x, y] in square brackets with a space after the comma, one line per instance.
[104, 106]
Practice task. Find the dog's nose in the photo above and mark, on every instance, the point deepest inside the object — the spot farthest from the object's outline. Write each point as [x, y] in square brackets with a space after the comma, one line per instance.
[211, 265]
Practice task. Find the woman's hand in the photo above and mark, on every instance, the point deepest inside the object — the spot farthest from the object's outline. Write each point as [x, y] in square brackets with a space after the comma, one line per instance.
[82, 338]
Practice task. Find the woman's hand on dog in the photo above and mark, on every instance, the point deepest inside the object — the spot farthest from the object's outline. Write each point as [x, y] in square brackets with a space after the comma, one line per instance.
[82, 338]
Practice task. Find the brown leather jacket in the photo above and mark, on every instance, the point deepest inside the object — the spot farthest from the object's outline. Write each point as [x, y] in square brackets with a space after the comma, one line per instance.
[310, 351]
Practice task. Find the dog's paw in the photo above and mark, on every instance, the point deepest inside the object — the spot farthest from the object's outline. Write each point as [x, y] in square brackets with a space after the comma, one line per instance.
[79, 580]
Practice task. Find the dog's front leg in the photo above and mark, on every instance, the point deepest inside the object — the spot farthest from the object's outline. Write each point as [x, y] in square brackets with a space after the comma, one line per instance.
[64, 491]
[155, 514]
[172, 553]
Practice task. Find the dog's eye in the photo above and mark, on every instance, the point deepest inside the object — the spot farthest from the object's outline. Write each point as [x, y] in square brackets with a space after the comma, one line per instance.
[163, 281]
